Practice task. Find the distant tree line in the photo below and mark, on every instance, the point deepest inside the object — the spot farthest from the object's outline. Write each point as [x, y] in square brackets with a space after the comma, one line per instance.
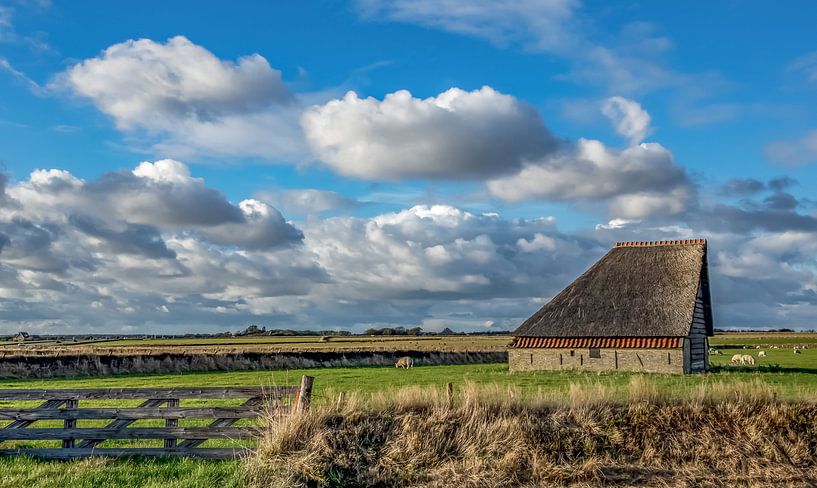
[254, 330]
[394, 331]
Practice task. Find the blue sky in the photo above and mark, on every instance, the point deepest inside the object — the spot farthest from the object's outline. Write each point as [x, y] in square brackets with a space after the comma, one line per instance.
[536, 133]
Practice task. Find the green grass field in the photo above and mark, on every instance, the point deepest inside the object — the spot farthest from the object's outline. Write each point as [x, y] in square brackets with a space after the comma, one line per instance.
[793, 376]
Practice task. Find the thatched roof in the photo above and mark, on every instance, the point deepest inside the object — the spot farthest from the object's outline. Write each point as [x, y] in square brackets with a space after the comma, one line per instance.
[638, 289]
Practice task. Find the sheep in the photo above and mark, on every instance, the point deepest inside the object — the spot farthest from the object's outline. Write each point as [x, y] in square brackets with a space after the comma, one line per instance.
[748, 359]
[797, 351]
[761, 354]
[404, 362]
[737, 359]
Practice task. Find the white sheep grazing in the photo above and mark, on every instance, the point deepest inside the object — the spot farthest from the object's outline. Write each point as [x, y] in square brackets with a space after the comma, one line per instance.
[748, 359]
[761, 354]
[405, 362]
[737, 359]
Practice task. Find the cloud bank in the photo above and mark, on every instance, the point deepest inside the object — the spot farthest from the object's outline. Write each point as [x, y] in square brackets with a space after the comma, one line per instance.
[155, 249]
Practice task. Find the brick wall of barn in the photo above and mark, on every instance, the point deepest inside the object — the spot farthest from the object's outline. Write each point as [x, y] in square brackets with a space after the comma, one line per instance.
[640, 360]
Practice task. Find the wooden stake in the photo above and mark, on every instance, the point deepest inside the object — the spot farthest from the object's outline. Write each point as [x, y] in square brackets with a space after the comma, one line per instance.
[304, 394]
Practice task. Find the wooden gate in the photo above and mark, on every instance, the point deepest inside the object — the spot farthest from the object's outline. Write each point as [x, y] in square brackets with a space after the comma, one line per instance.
[158, 403]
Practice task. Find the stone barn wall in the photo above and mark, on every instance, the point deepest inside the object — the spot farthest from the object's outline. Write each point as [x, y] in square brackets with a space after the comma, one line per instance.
[639, 360]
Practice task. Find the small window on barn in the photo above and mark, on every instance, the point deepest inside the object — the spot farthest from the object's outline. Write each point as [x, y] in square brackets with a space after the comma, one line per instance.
[595, 352]
[572, 353]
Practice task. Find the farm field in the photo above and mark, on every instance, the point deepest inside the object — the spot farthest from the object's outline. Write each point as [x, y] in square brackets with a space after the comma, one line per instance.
[763, 338]
[267, 344]
[791, 376]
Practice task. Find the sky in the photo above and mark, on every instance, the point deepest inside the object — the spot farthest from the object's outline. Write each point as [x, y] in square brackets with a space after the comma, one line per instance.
[176, 167]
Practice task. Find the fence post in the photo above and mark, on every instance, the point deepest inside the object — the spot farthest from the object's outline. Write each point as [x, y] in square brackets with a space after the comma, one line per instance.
[170, 443]
[304, 394]
[449, 393]
[69, 424]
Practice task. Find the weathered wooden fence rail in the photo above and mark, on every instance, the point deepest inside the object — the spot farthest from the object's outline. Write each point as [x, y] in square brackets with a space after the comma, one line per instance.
[159, 403]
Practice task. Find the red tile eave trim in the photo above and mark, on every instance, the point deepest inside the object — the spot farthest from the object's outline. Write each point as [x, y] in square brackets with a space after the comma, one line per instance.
[600, 342]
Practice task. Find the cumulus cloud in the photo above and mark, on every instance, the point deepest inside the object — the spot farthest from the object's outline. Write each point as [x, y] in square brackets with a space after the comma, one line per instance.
[159, 194]
[64, 246]
[194, 102]
[456, 134]
[444, 252]
[61, 249]
[793, 152]
[133, 244]
[629, 119]
[639, 180]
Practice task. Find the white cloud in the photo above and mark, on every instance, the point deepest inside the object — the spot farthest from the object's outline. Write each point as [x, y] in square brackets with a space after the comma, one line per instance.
[637, 181]
[188, 101]
[794, 152]
[541, 25]
[629, 119]
[617, 224]
[457, 134]
[439, 251]
[153, 198]
[309, 201]
[145, 84]
[66, 243]
[806, 65]
[6, 27]
[32, 85]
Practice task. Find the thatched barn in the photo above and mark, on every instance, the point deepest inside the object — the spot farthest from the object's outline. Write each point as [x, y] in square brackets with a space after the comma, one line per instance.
[644, 306]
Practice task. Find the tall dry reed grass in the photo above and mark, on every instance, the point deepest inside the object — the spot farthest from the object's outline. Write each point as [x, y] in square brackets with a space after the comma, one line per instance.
[492, 436]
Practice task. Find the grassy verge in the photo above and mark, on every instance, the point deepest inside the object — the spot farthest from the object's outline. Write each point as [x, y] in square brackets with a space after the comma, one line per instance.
[329, 381]
[734, 435]
[381, 384]
[144, 473]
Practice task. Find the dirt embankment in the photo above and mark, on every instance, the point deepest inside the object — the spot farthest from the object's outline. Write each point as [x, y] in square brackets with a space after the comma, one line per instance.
[100, 365]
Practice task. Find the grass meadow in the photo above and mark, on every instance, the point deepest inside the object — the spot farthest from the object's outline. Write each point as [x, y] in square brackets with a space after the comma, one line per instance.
[783, 374]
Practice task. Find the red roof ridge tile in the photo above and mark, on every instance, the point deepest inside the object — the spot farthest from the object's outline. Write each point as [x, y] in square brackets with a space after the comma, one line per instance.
[680, 242]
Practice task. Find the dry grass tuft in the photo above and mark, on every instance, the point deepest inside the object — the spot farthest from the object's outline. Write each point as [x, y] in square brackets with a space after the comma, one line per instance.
[728, 434]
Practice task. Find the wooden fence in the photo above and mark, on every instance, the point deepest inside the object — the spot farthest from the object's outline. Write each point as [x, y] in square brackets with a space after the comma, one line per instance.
[158, 403]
